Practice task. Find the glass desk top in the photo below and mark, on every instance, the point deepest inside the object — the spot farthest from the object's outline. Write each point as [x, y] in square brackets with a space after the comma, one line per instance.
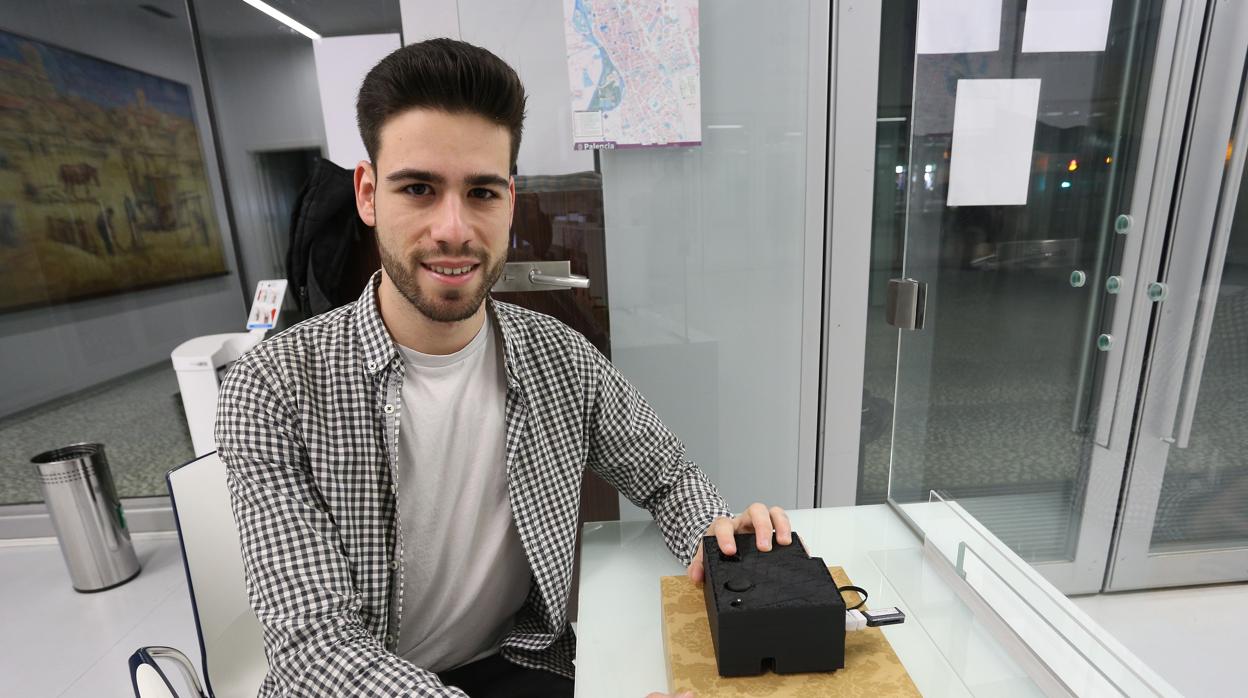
[978, 623]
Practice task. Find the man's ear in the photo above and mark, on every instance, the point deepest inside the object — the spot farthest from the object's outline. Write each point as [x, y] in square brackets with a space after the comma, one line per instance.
[366, 193]
[511, 189]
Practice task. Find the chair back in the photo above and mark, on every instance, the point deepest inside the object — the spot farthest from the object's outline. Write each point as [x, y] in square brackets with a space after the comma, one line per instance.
[230, 637]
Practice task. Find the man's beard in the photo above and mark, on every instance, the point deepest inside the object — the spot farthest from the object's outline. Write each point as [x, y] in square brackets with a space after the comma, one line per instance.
[448, 305]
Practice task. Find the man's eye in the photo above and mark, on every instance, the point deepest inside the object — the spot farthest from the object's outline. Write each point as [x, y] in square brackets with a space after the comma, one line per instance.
[479, 193]
[419, 189]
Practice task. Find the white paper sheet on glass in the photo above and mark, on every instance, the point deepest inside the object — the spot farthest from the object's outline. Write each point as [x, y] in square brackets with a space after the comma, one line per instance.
[1066, 25]
[958, 26]
[994, 130]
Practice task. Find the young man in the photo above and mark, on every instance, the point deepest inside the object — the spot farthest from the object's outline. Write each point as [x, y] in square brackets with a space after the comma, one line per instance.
[405, 471]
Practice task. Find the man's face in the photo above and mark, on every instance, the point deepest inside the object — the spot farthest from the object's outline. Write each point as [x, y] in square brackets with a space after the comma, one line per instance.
[441, 199]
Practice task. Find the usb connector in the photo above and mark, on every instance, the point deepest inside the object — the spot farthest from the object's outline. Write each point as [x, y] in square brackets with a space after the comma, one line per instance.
[857, 620]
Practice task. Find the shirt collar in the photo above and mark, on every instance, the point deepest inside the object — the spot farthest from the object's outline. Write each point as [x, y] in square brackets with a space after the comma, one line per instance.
[378, 345]
[375, 339]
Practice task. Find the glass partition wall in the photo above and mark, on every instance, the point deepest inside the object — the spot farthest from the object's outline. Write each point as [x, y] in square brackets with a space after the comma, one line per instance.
[994, 394]
[115, 243]
[1078, 340]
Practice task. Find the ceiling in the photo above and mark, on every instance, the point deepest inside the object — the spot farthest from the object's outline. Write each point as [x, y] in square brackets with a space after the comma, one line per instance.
[235, 19]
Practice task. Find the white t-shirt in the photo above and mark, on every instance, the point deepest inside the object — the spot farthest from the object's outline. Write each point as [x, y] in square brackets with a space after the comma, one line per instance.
[465, 573]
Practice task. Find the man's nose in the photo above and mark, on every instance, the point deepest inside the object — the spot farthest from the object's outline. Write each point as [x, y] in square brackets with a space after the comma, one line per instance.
[449, 224]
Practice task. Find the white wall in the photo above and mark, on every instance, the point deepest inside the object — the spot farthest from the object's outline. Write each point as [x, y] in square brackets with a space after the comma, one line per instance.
[342, 62]
[528, 34]
[266, 98]
[429, 19]
[49, 352]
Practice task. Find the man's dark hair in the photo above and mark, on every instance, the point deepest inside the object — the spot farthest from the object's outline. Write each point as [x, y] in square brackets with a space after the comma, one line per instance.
[443, 74]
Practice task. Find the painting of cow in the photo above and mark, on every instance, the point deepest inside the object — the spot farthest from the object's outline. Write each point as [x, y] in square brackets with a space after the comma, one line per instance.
[80, 174]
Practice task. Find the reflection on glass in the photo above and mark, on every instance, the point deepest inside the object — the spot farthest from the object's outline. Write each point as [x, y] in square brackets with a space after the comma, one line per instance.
[114, 243]
[687, 230]
[994, 395]
[559, 217]
[1204, 494]
[892, 147]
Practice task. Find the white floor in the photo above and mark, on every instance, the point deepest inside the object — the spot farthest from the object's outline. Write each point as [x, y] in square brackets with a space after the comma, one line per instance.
[1195, 637]
[57, 642]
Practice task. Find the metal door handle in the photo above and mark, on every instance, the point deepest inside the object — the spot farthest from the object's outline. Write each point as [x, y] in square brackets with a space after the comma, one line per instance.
[1220, 240]
[570, 281]
[539, 276]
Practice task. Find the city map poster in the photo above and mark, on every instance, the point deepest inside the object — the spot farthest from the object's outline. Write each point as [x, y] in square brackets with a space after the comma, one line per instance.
[634, 70]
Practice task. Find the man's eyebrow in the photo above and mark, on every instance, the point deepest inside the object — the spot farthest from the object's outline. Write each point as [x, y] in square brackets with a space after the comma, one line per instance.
[482, 180]
[472, 180]
[419, 175]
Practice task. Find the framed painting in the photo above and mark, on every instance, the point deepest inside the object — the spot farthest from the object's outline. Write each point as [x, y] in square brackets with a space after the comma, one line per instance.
[103, 188]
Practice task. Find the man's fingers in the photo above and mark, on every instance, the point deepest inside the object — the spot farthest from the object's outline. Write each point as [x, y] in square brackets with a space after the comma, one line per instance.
[784, 530]
[721, 528]
[723, 531]
[696, 570]
[760, 520]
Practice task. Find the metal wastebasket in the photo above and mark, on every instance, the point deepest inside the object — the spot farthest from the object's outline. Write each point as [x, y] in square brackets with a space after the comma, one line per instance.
[90, 525]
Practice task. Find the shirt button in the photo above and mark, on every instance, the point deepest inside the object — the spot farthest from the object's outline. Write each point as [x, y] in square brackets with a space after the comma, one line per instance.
[389, 639]
[389, 409]
[394, 564]
[372, 365]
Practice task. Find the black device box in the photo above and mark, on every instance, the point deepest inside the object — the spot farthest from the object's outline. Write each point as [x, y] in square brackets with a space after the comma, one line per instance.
[779, 607]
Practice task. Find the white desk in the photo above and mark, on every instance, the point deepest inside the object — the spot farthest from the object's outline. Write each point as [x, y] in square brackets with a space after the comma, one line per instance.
[959, 639]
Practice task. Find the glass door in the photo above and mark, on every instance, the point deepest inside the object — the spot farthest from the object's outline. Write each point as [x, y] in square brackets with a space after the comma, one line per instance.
[1027, 173]
[1186, 508]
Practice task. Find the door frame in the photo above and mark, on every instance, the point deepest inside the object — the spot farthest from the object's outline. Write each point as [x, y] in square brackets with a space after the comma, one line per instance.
[1208, 187]
[854, 73]
[819, 82]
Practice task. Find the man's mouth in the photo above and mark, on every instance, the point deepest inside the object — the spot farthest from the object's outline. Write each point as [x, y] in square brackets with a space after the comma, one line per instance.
[450, 271]
[452, 274]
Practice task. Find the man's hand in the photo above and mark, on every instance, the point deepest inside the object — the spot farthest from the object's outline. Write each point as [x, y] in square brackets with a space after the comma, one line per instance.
[759, 519]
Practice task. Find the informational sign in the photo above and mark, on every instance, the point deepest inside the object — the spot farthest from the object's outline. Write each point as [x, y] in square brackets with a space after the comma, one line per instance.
[958, 26]
[635, 73]
[266, 305]
[1053, 26]
[994, 132]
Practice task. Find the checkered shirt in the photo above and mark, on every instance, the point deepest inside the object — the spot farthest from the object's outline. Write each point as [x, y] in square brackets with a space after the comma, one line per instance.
[310, 445]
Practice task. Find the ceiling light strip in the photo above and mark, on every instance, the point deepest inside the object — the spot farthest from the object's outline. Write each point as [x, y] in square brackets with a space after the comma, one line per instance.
[283, 18]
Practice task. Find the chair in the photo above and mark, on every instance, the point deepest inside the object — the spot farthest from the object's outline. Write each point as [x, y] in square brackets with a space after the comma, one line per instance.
[230, 640]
